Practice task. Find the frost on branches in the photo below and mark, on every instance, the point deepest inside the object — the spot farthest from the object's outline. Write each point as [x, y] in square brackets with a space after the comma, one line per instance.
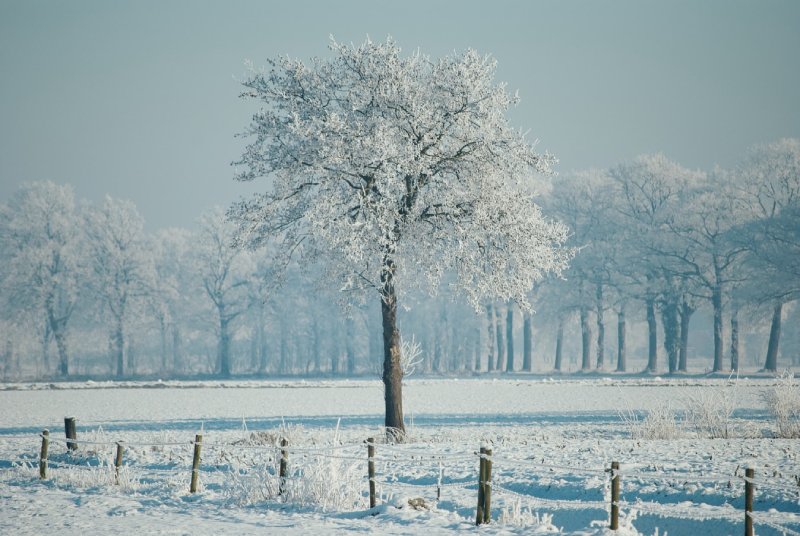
[394, 170]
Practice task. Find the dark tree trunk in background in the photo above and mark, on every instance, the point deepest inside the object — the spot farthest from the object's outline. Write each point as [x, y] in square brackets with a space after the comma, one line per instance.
[621, 357]
[510, 338]
[652, 331]
[527, 342]
[771, 363]
[601, 327]
[501, 338]
[351, 345]
[58, 328]
[224, 347]
[491, 336]
[669, 319]
[586, 340]
[162, 326]
[683, 356]
[392, 370]
[177, 352]
[477, 351]
[716, 302]
[559, 345]
[735, 337]
[119, 347]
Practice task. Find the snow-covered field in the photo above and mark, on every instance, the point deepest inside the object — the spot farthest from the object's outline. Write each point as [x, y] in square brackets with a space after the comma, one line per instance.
[552, 440]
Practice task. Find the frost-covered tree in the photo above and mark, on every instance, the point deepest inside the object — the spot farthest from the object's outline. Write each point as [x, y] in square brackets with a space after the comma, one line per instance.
[651, 187]
[123, 274]
[42, 239]
[224, 272]
[393, 170]
[770, 182]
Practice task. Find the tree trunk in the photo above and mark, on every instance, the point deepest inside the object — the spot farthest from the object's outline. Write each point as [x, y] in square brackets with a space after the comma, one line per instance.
[392, 370]
[716, 301]
[491, 336]
[61, 345]
[669, 319]
[510, 338]
[559, 345]
[223, 352]
[477, 350]
[621, 361]
[586, 340]
[46, 337]
[652, 330]
[683, 357]
[501, 342]
[119, 348]
[601, 328]
[262, 341]
[162, 326]
[771, 363]
[735, 337]
[527, 342]
[351, 345]
[177, 355]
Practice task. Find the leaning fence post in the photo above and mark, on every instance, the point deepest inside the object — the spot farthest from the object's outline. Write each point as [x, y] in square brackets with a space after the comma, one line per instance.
[487, 488]
[481, 479]
[71, 431]
[198, 442]
[749, 491]
[284, 466]
[43, 454]
[614, 495]
[371, 470]
[118, 461]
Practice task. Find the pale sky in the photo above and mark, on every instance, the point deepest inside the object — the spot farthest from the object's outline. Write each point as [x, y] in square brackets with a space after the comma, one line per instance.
[139, 99]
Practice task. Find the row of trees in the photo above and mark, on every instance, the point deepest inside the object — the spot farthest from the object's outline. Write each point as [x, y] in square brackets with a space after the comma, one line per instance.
[671, 241]
[658, 246]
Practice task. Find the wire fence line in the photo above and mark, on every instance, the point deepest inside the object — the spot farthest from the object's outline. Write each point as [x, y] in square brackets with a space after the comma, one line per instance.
[390, 455]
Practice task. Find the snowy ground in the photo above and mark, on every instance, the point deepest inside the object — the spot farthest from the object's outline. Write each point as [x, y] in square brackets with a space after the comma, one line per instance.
[552, 441]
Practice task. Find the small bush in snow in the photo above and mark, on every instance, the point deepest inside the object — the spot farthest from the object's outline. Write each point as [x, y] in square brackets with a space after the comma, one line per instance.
[514, 514]
[659, 423]
[709, 412]
[783, 402]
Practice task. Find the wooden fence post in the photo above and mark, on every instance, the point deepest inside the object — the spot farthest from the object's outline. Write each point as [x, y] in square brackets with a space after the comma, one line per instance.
[284, 466]
[43, 454]
[71, 431]
[487, 491]
[614, 495]
[481, 479]
[198, 442]
[749, 491]
[118, 461]
[371, 471]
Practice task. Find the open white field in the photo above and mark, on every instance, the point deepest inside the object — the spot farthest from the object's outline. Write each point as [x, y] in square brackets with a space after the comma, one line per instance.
[552, 441]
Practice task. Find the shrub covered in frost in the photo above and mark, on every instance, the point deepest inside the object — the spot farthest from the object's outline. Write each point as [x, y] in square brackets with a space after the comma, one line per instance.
[783, 402]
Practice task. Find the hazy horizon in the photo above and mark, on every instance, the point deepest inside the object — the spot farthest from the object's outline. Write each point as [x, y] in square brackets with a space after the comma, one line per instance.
[139, 100]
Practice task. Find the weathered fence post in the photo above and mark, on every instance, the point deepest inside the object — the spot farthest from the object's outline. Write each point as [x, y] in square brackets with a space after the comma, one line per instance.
[371, 470]
[198, 442]
[43, 454]
[749, 491]
[118, 461]
[439, 483]
[284, 466]
[614, 495]
[71, 431]
[487, 488]
[481, 479]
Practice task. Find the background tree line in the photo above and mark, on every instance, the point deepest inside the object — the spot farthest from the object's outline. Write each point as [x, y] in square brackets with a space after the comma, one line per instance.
[677, 270]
